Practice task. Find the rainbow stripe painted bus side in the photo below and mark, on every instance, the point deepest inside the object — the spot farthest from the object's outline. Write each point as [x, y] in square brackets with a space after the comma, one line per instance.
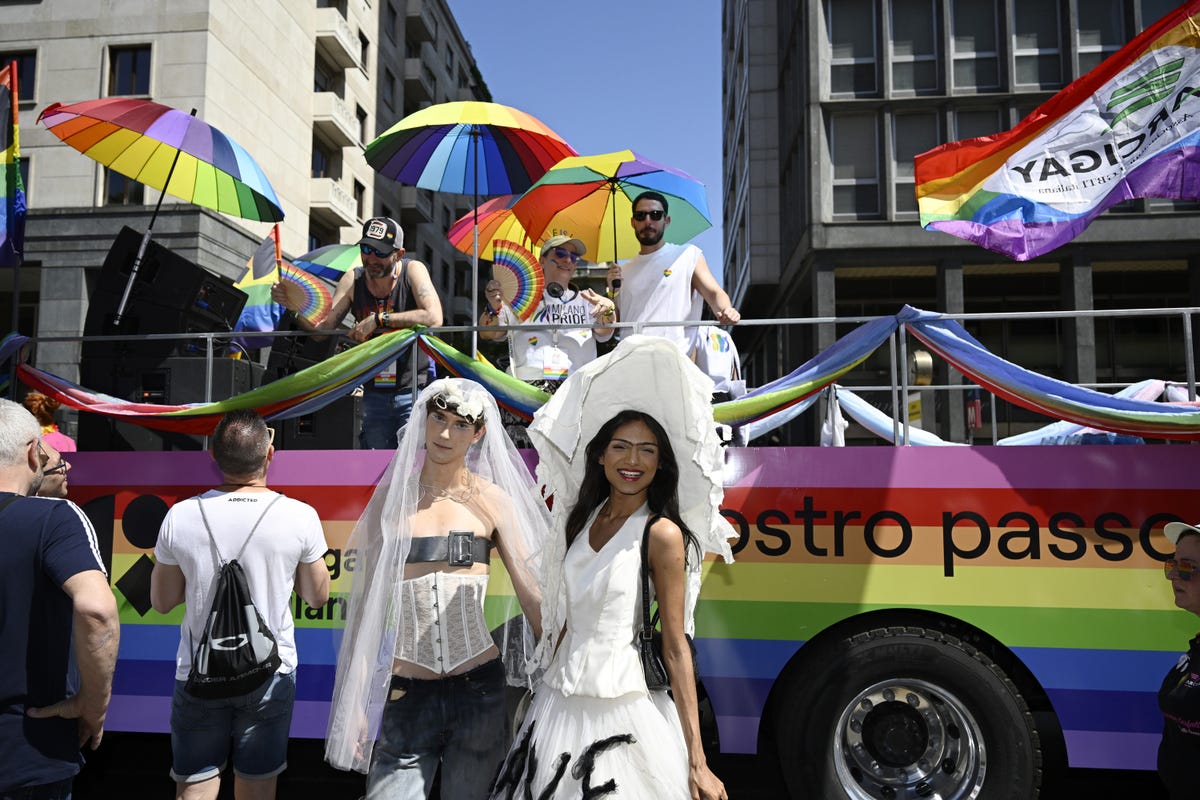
[1046, 559]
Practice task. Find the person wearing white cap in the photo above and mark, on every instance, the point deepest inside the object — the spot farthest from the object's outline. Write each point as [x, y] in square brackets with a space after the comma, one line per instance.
[543, 356]
[1179, 696]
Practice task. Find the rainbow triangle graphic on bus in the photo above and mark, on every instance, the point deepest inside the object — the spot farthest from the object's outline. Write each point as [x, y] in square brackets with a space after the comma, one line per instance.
[1129, 128]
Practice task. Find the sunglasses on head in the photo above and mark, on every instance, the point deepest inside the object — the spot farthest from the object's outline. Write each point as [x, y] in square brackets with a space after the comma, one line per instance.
[655, 215]
[562, 253]
[367, 250]
[1184, 569]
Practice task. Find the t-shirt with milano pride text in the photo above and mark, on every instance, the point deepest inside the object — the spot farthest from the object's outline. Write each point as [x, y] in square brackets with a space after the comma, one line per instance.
[530, 351]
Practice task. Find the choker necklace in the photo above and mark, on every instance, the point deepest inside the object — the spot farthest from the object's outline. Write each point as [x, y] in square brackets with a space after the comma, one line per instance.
[436, 493]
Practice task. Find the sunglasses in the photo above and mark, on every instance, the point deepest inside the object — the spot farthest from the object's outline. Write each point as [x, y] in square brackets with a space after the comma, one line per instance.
[1184, 569]
[563, 254]
[61, 466]
[43, 456]
[655, 215]
[367, 250]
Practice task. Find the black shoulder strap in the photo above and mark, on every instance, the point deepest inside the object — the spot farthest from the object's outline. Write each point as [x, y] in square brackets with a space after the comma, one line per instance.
[647, 624]
[212, 539]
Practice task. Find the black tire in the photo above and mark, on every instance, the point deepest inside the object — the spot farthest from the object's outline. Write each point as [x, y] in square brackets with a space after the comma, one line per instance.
[897, 713]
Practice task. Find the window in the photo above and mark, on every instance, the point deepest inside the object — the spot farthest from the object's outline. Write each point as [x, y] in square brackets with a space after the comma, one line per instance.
[390, 21]
[972, 122]
[449, 59]
[1101, 32]
[360, 200]
[324, 76]
[974, 44]
[1036, 44]
[463, 80]
[364, 131]
[26, 72]
[324, 161]
[412, 49]
[364, 49]
[912, 134]
[1154, 10]
[122, 191]
[914, 46]
[853, 145]
[389, 88]
[129, 70]
[852, 47]
[23, 166]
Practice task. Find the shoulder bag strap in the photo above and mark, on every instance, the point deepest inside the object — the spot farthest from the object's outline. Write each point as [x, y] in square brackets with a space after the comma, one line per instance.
[212, 539]
[647, 626]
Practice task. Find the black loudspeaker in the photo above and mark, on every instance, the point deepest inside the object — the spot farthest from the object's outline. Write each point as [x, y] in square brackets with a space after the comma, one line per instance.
[174, 380]
[169, 295]
[292, 354]
[334, 427]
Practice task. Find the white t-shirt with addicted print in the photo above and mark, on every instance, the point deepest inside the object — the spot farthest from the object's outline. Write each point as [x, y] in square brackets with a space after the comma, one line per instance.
[532, 353]
[288, 536]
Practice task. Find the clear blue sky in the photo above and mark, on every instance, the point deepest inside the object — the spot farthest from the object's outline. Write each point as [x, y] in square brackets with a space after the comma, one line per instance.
[612, 75]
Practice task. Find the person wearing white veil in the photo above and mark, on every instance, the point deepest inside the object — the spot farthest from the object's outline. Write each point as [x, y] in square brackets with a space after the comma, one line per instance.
[420, 680]
[628, 448]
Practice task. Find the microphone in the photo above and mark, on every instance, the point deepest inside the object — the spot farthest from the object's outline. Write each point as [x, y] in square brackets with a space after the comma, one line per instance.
[616, 284]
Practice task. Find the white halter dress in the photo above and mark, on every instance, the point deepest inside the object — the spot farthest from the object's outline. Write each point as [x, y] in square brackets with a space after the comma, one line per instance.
[592, 719]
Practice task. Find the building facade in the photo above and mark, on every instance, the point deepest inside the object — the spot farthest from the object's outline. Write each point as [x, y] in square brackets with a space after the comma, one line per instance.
[826, 104]
[302, 86]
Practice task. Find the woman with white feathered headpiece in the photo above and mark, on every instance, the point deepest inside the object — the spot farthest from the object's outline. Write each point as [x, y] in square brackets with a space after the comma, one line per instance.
[420, 678]
[629, 450]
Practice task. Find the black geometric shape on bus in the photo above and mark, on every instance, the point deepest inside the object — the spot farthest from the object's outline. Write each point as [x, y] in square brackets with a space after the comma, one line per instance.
[100, 511]
[135, 584]
[142, 519]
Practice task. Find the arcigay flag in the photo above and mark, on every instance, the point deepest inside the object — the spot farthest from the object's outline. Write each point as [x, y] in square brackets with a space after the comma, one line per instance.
[1129, 128]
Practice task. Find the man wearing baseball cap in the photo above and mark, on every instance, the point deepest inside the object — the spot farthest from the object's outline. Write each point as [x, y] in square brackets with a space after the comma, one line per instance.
[386, 293]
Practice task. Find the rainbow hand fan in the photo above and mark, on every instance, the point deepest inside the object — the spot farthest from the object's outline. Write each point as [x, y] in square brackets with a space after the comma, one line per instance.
[520, 277]
[307, 291]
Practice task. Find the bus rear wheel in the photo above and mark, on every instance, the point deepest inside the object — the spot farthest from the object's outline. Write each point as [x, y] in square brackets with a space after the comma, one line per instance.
[899, 713]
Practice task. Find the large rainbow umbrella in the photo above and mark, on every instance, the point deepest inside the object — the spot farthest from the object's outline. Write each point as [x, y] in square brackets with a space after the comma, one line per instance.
[468, 147]
[494, 220]
[591, 199]
[167, 150]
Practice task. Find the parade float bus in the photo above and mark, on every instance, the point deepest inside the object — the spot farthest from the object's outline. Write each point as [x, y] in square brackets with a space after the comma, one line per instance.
[932, 621]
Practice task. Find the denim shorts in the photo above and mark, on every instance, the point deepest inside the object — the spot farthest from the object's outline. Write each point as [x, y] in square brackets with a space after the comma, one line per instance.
[257, 724]
[459, 722]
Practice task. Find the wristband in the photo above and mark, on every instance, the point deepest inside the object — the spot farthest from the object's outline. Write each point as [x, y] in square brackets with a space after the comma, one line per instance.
[386, 320]
[378, 321]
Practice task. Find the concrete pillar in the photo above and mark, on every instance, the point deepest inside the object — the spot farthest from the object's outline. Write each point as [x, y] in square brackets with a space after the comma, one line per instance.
[1079, 334]
[951, 410]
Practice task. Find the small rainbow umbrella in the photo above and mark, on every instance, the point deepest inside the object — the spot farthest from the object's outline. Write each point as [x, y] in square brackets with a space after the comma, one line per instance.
[330, 261]
[167, 150]
[520, 277]
[495, 221]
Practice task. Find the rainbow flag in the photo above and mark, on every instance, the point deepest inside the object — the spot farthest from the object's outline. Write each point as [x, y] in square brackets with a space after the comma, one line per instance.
[12, 190]
[260, 313]
[1129, 128]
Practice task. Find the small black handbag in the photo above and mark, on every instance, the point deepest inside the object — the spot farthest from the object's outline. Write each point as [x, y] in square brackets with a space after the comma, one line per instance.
[650, 644]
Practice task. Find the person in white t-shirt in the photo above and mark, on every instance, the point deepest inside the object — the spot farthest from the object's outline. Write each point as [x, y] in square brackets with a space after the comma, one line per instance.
[286, 551]
[665, 282]
[545, 357]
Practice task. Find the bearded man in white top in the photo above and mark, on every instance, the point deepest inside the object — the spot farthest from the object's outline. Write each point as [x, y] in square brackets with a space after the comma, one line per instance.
[421, 678]
[283, 546]
[545, 357]
[665, 282]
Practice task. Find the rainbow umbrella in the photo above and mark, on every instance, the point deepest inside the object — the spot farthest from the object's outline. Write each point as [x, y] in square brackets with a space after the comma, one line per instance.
[591, 199]
[494, 219]
[167, 150]
[468, 147]
[520, 277]
[331, 261]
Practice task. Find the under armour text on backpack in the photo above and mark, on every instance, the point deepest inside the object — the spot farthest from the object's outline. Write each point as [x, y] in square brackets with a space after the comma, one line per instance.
[237, 653]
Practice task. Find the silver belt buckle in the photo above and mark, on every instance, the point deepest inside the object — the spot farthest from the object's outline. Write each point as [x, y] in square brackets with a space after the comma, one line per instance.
[459, 552]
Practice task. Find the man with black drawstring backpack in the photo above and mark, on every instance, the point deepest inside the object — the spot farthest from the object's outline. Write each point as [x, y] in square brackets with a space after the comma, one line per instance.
[277, 543]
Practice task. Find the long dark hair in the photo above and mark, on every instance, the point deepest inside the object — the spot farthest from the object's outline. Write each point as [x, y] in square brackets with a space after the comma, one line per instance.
[662, 495]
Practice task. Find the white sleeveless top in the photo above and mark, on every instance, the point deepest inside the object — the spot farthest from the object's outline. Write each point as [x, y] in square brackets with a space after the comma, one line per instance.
[598, 657]
[441, 622]
[658, 286]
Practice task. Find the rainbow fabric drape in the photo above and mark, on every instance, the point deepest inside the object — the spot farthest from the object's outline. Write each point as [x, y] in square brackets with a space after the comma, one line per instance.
[761, 408]
[12, 190]
[1129, 128]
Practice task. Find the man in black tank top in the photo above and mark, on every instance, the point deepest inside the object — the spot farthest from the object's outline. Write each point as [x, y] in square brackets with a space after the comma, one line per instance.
[386, 293]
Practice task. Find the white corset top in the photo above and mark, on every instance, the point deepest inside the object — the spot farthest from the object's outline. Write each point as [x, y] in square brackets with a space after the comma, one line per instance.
[441, 621]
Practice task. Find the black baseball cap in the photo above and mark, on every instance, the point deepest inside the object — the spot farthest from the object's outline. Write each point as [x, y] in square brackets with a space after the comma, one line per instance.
[382, 233]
